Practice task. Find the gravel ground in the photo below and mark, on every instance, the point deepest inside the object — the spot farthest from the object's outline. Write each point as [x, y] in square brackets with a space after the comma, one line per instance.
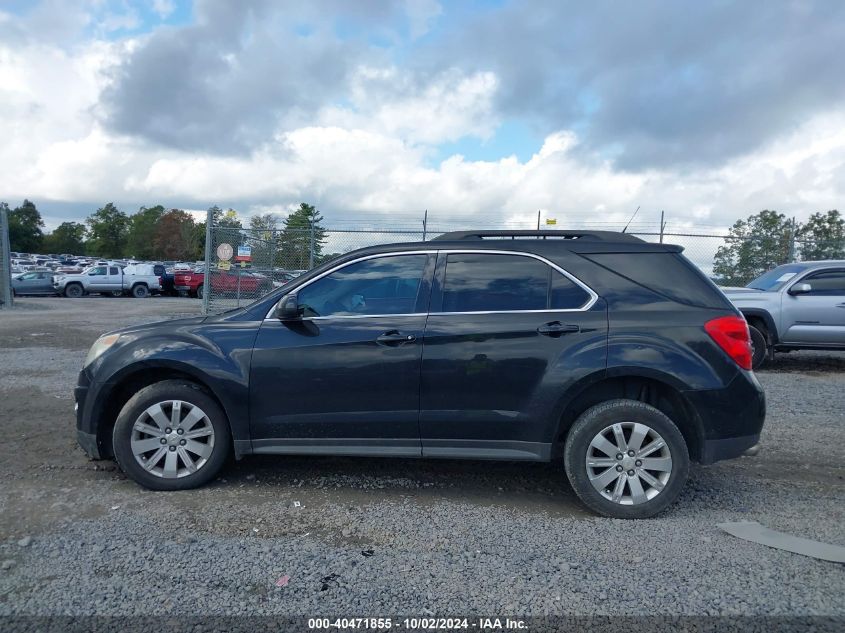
[370, 536]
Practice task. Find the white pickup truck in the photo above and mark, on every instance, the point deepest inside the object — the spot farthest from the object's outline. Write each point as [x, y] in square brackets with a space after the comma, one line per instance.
[136, 280]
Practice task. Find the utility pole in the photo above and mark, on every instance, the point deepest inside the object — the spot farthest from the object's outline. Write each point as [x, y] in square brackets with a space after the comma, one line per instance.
[792, 232]
[206, 289]
[662, 226]
[5, 253]
[538, 219]
[425, 224]
[313, 245]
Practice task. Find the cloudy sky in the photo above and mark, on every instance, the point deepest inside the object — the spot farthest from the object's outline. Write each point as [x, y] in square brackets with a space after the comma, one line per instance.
[479, 111]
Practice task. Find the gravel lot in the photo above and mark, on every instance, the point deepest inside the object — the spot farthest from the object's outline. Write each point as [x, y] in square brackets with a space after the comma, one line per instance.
[370, 537]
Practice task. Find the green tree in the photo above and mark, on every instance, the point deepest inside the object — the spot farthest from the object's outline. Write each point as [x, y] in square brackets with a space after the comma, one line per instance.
[753, 246]
[142, 231]
[822, 237]
[68, 237]
[108, 229]
[25, 223]
[263, 239]
[296, 238]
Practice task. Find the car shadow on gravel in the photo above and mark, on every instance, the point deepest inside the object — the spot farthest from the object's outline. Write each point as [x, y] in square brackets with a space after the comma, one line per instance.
[815, 363]
[519, 485]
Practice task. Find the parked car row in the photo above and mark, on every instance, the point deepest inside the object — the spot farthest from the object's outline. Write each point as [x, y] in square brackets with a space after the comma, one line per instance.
[235, 281]
[77, 276]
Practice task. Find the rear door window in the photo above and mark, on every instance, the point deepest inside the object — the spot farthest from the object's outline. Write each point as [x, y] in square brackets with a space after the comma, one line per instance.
[489, 282]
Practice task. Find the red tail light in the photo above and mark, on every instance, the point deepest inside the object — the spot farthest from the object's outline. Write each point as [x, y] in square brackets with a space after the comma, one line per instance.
[731, 334]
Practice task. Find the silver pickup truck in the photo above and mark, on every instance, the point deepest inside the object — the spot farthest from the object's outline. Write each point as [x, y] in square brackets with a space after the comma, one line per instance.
[794, 306]
[137, 281]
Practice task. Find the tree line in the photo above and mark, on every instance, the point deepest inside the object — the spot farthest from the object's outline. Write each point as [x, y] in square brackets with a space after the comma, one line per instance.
[156, 233]
[753, 245]
[768, 239]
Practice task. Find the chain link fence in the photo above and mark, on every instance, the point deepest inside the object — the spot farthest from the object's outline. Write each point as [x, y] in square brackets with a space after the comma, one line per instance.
[5, 260]
[246, 264]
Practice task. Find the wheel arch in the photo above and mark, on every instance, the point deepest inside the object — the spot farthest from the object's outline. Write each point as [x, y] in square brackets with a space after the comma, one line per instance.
[126, 385]
[661, 392]
[756, 316]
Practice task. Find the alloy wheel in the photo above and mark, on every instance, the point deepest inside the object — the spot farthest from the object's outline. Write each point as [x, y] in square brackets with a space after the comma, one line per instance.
[628, 463]
[172, 439]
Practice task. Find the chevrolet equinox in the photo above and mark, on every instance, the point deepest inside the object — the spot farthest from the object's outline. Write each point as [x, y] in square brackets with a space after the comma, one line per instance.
[615, 357]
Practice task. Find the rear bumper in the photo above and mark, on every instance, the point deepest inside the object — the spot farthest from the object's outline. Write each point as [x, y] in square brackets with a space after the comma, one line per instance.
[728, 448]
[731, 418]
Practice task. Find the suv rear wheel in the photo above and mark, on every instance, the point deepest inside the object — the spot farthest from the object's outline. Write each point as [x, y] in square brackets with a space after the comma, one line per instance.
[626, 459]
[171, 436]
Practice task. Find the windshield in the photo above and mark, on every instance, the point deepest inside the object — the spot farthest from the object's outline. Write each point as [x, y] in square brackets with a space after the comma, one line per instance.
[776, 278]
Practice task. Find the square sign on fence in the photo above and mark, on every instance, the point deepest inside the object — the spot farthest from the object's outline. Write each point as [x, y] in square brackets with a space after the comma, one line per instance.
[244, 253]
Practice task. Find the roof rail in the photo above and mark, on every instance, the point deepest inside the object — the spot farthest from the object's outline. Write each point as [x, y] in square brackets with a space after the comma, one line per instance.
[593, 236]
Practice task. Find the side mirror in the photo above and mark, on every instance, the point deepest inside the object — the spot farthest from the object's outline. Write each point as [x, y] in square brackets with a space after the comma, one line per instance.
[800, 289]
[288, 309]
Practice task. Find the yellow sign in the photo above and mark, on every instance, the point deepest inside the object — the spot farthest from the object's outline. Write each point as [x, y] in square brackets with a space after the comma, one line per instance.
[550, 221]
[224, 265]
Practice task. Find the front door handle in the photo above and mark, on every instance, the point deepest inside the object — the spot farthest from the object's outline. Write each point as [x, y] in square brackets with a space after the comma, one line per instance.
[840, 305]
[395, 338]
[556, 328]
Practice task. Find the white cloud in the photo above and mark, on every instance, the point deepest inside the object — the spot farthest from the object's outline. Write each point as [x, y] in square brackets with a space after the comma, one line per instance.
[449, 106]
[163, 8]
[372, 157]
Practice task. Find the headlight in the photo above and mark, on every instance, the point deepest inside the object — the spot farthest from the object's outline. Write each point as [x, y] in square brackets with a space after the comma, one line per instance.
[99, 347]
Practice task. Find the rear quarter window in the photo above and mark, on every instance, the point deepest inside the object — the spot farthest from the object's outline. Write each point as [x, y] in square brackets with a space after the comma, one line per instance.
[668, 274]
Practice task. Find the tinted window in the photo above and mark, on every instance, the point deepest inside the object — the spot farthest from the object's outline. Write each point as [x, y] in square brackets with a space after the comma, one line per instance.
[827, 283]
[565, 293]
[382, 285]
[114, 271]
[668, 274]
[479, 282]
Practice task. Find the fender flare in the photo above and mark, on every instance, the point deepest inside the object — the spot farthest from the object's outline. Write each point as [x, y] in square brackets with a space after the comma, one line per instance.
[768, 319]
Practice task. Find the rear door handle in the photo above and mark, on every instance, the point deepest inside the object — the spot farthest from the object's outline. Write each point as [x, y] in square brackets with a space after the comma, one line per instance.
[556, 328]
[395, 338]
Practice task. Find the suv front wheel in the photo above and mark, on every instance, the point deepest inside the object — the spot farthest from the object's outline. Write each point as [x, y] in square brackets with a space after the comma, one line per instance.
[626, 459]
[171, 436]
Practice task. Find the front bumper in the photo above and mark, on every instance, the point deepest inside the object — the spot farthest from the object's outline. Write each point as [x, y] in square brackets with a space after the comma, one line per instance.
[85, 435]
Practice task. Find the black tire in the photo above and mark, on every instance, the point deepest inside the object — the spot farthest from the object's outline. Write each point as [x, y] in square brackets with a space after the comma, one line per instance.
[74, 291]
[200, 291]
[759, 347]
[140, 291]
[598, 418]
[161, 392]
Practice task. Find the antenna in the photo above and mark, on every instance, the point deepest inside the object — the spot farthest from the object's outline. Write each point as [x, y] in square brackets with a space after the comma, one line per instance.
[631, 220]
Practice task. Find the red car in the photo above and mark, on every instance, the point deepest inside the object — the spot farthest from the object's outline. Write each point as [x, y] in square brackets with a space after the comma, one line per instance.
[231, 282]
